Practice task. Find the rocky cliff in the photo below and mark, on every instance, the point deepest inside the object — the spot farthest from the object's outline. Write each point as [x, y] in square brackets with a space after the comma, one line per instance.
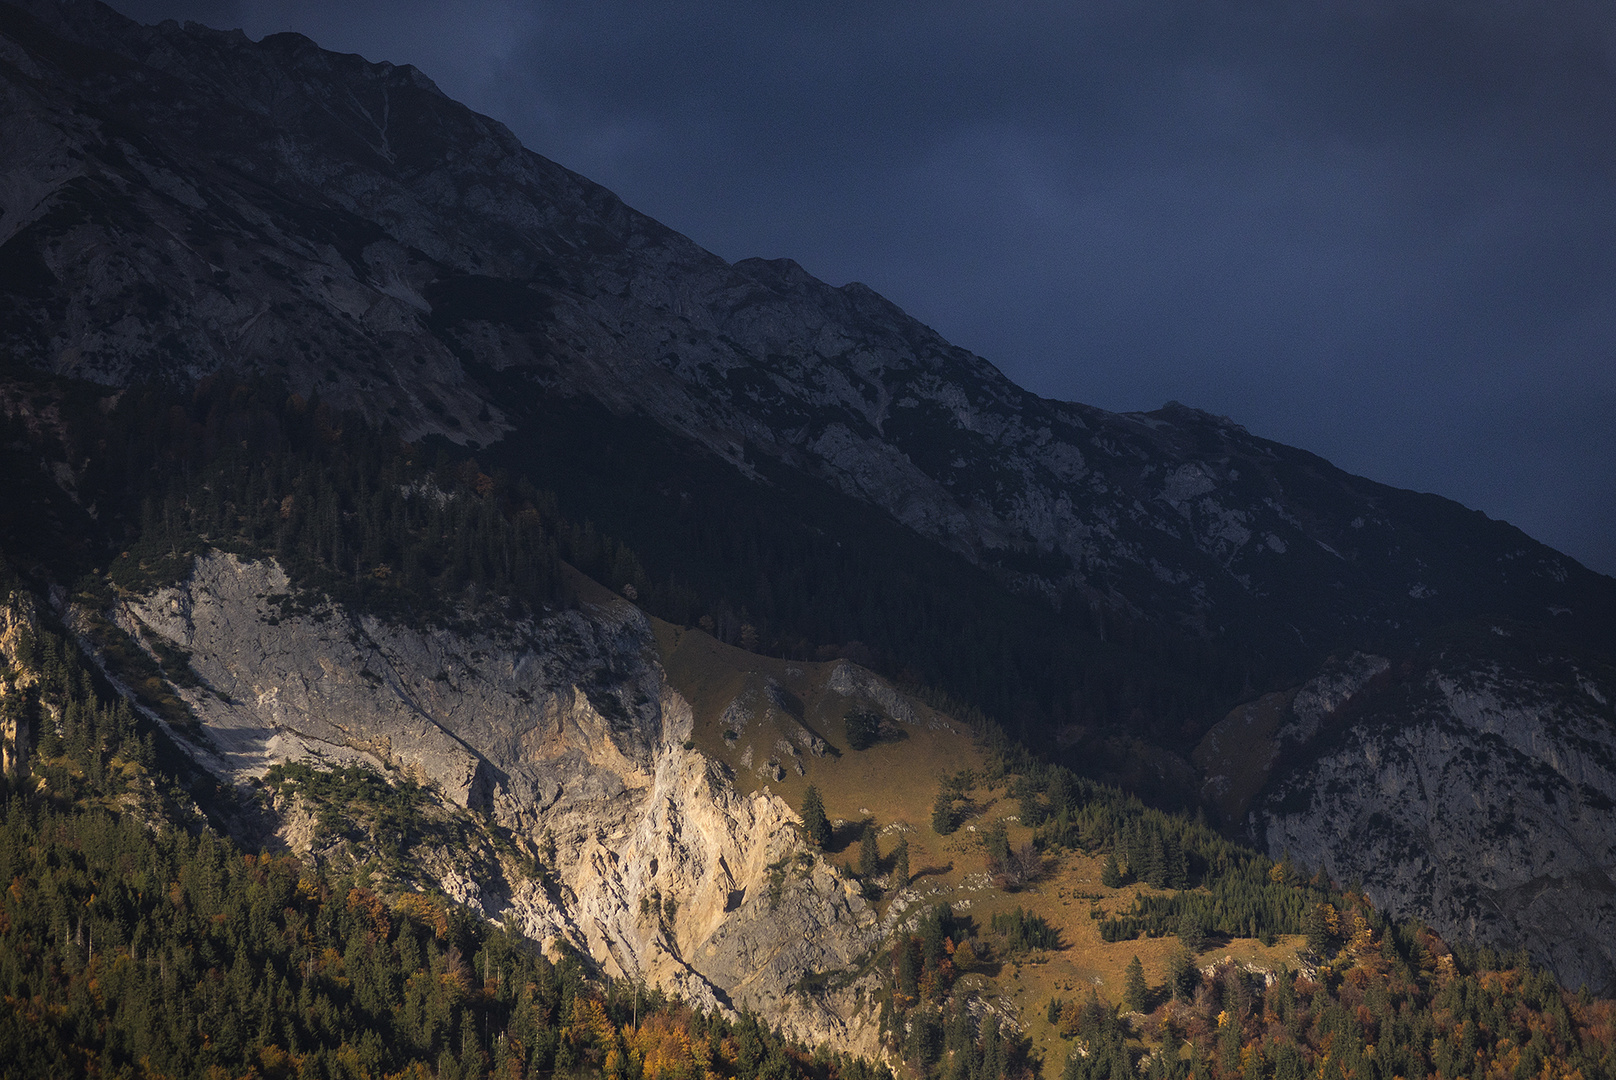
[561, 734]
[1473, 786]
[16, 621]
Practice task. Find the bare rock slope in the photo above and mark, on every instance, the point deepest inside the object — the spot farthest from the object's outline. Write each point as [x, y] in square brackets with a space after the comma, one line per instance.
[1475, 789]
[560, 731]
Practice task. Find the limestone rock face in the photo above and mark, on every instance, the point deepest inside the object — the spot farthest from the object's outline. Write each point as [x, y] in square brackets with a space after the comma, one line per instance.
[1238, 754]
[561, 731]
[1476, 793]
[17, 619]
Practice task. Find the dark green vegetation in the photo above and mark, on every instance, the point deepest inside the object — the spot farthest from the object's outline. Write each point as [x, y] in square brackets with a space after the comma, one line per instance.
[865, 728]
[349, 512]
[389, 819]
[1218, 886]
[932, 1024]
[129, 952]
[1023, 932]
[814, 821]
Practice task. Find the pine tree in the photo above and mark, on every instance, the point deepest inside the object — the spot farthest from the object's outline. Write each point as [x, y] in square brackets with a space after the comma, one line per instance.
[908, 971]
[1316, 926]
[869, 853]
[50, 737]
[814, 819]
[943, 820]
[900, 865]
[1182, 978]
[1135, 991]
[1155, 869]
[1111, 873]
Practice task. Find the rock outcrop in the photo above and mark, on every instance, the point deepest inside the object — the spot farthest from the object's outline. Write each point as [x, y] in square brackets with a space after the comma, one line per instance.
[1477, 792]
[17, 622]
[560, 731]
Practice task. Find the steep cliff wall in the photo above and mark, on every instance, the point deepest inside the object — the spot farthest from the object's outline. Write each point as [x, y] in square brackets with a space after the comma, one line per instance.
[16, 623]
[561, 731]
[1478, 793]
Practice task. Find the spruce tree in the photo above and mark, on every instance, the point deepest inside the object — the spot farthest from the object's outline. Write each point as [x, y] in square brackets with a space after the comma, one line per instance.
[900, 865]
[869, 853]
[50, 737]
[1182, 978]
[1155, 868]
[1135, 991]
[908, 971]
[1192, 931]
[814, 819]
[1111, 873]
[943, 820]
[1317, 928]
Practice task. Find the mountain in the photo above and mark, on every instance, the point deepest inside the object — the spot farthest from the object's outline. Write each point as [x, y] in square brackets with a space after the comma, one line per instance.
[181, 201]
[795, 467]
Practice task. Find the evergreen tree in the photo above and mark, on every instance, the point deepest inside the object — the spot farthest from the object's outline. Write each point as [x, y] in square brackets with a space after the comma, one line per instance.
[50, 738]
[869, 853]
[908, 970]
[863, 729]
[900, 864]
[992, 1049]
[1135, 991]
[943, 819]
[1111, 873]
[1192, 931]
[814, 819]
[1182, 977]
[1317, 928]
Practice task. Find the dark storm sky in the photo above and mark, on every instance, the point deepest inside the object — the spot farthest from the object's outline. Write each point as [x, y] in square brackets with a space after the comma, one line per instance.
[1383, 230]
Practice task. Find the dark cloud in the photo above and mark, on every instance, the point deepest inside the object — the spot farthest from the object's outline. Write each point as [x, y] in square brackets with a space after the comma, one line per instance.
[1384, 231]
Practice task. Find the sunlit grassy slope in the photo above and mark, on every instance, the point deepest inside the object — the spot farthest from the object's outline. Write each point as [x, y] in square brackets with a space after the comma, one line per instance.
[767, 705]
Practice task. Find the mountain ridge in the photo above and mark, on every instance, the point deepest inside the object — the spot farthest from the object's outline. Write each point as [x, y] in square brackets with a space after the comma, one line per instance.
[836, 382]
[180, 204]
